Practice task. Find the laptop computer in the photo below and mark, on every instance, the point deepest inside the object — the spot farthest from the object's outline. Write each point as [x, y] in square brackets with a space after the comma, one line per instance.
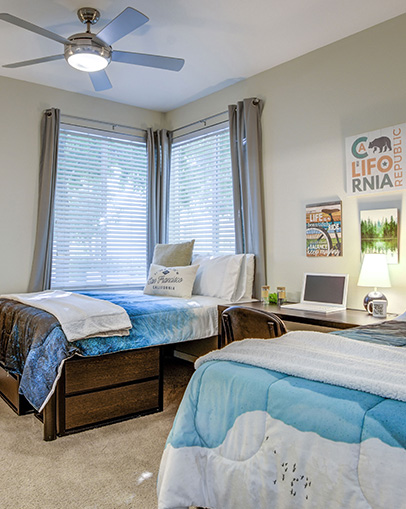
[322, 293]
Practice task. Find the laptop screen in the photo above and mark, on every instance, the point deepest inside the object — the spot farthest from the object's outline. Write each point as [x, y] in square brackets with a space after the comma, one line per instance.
[325, 289]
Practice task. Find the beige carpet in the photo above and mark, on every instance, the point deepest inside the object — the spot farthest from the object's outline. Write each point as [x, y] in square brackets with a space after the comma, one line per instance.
[112, 467]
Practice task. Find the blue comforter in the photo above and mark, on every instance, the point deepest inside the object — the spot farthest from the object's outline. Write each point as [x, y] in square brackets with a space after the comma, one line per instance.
[36, 346]
[255, 438]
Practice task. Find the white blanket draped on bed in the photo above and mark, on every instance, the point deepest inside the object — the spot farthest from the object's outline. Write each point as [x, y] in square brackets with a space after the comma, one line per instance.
[377, 369]
[80, 316]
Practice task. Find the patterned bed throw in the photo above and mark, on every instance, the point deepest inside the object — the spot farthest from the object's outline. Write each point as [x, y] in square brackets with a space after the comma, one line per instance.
[390, 332]
[251, 437]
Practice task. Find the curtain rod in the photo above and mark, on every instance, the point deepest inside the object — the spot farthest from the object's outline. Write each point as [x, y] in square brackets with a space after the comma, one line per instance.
[199, 129]
[202, 121]
[112, 124]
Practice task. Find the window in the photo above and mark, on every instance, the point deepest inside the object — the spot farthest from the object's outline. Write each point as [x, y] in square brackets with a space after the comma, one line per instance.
[200, 194]
[100, 225]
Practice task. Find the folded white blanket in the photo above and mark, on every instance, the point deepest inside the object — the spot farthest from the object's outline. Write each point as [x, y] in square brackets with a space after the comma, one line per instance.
[80, 316]
[377, 369]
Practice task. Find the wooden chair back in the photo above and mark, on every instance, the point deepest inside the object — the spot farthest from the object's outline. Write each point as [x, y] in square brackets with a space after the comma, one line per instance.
[239, 322]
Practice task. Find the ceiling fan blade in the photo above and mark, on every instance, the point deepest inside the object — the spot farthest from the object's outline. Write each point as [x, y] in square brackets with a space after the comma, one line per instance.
[123, 24]
[34, 61]
[100, 80]
[32, 28]
[160, 62]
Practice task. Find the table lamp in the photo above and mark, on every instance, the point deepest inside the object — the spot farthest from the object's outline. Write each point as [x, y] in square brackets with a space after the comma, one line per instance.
[374, 272]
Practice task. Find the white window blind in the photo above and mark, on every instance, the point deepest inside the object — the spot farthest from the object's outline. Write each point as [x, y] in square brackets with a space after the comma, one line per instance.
[100, 230]
[200, 195]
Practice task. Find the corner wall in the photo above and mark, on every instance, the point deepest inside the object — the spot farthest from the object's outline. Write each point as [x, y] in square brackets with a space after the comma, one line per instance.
[311, 105]
[21, 107]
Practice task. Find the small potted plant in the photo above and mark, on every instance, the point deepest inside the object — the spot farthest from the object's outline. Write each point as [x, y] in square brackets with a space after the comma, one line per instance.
[273, 298]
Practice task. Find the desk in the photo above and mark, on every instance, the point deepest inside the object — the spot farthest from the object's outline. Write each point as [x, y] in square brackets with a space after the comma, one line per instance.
[315, 321]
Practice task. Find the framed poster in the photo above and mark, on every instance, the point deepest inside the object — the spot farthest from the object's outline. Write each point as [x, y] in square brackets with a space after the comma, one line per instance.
[374, 161]
[323, 229]
[379, 233]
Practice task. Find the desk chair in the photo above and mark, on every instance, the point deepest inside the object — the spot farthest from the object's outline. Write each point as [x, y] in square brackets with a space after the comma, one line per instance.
[239, 322]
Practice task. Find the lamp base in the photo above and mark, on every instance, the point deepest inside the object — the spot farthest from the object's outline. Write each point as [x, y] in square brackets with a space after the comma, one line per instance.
[369, 297]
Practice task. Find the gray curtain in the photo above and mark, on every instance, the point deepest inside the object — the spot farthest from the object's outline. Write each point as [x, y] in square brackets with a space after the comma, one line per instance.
[159, 152]
[246, 160]
[41, 267]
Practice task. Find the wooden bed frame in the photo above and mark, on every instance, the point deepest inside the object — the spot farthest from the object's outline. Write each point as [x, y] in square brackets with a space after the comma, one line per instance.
[100, 390]
[94, 391]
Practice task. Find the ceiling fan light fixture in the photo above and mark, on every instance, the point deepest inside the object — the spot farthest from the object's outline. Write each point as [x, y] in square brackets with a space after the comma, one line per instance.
[87, 62]
[92, 53]
[86, 54]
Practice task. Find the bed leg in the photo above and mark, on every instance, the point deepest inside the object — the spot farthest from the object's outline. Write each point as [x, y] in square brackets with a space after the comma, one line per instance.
[49, 419]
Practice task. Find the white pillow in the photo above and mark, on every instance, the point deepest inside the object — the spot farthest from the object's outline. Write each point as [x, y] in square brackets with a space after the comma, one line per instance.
[217, 276]
[245, 282]
[241, 281]
[250, 276]
[171, 281]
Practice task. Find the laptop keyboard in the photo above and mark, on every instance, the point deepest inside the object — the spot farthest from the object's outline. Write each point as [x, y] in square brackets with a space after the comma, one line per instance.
[314, 308]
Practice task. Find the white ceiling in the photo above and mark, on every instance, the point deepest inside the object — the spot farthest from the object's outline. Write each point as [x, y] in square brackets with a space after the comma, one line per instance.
[222, 41]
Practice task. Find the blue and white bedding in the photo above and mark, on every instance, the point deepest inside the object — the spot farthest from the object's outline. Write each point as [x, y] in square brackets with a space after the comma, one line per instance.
[308, 420]
[36, 347]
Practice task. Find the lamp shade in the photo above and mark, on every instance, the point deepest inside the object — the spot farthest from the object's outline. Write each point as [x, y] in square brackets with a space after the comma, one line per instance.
[374, 271]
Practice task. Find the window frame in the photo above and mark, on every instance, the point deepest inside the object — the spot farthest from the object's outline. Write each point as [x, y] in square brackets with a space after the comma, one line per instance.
[115, 132]
[194, 136]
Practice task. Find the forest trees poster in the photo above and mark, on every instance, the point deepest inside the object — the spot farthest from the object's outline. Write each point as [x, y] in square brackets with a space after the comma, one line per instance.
[379, 233]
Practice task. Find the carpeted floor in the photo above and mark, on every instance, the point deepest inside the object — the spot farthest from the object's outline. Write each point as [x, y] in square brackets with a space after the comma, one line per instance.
[113, 467]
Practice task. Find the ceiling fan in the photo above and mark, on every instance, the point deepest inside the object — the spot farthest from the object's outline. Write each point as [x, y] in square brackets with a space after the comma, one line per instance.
[92, 53]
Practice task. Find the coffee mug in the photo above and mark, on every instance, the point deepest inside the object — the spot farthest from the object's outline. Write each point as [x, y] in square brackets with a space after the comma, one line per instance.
[378, 308]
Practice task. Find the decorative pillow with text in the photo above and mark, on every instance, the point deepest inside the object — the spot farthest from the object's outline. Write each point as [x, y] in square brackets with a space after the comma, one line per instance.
[171, 281]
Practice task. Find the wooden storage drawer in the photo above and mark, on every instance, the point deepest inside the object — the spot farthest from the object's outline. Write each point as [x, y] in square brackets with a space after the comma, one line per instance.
[9, 384]
[82, 374]
[9, 387]
[94, 391]
[108, 404]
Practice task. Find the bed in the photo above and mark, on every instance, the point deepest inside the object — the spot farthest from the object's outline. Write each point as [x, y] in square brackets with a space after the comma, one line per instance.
[307, 420]
[39, 366]
[76, 385]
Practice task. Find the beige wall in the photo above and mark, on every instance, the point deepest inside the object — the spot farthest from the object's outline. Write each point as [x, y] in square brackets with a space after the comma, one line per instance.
[311, 105]
[21, 107]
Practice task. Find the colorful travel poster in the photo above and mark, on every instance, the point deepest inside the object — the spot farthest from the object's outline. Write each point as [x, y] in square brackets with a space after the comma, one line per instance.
[323, 229]
[375, 161]
[379, 233]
